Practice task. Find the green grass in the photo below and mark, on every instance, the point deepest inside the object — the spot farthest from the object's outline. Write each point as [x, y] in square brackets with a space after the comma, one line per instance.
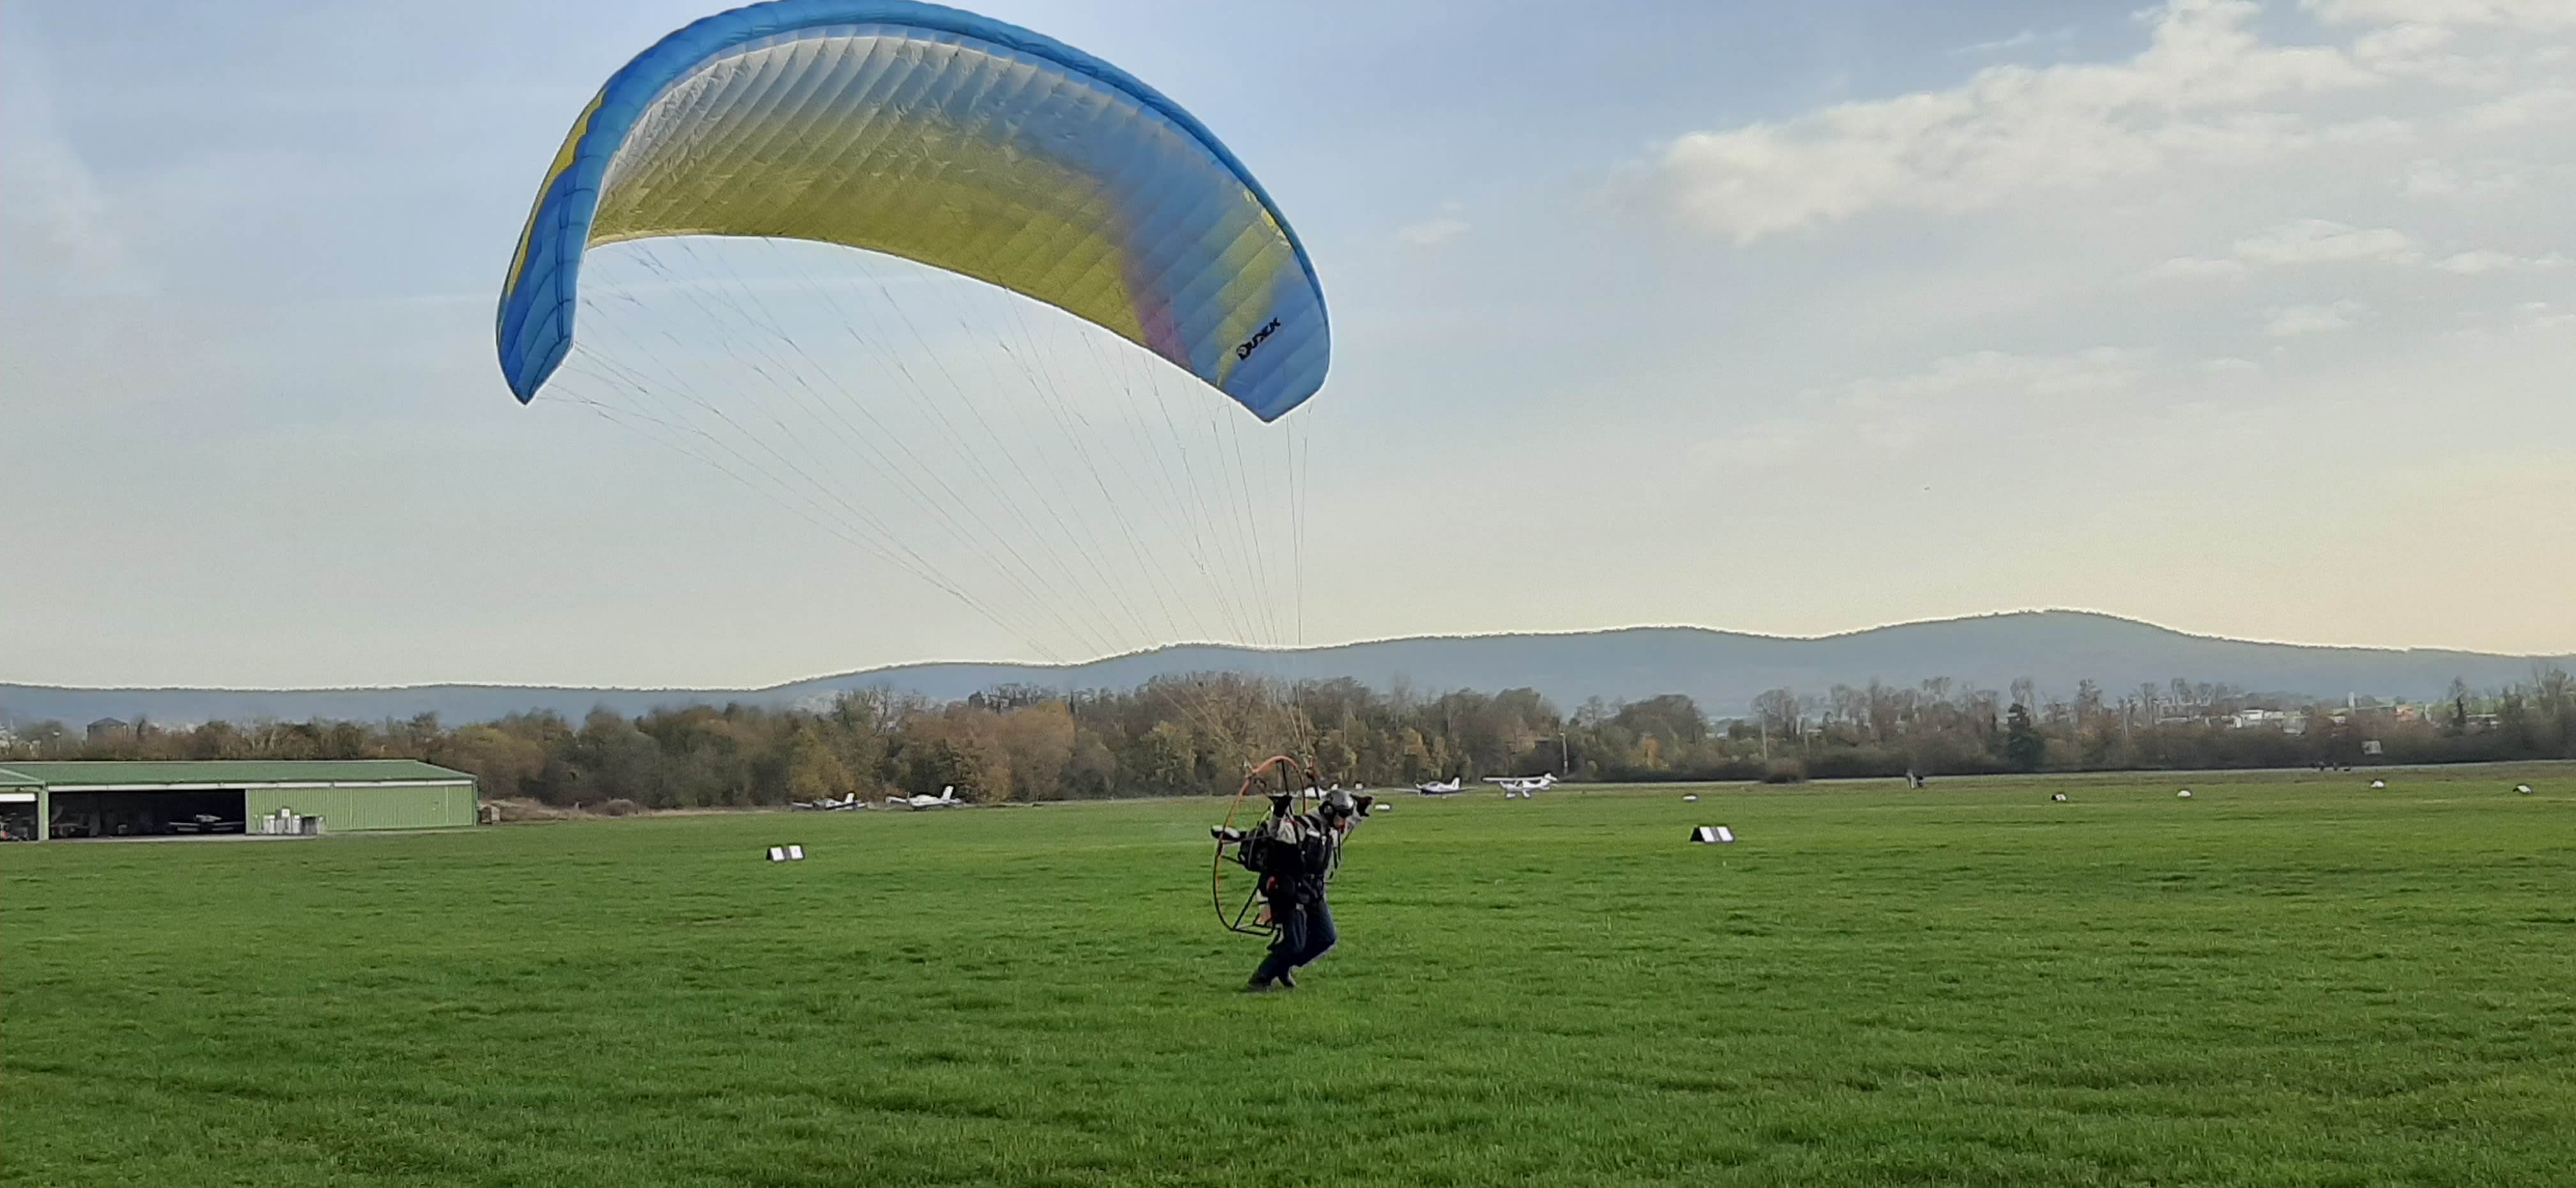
[2286, 980]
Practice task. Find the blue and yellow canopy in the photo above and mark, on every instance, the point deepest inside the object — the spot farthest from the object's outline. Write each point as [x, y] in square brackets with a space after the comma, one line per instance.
[945, 138]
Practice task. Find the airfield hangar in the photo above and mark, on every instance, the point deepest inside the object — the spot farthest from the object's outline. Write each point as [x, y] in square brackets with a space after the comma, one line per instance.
[87, 799]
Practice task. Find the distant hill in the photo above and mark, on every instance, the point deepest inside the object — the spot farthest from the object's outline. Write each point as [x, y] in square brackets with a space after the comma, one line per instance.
[1723, 670]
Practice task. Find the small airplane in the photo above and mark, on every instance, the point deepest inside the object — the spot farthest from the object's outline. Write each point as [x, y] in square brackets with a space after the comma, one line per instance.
[1438, 789]
[829, 805]
[205, 823]
[947, 798]
[1523, 788]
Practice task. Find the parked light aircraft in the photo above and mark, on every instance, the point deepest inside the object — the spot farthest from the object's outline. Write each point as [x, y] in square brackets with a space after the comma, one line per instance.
[1523, 788]
[947, 798]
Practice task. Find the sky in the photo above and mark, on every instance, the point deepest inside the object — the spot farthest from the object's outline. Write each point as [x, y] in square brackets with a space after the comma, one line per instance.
[2247, 319]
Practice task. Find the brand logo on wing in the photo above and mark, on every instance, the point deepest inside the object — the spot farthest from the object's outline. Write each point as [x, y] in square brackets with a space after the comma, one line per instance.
[1244, 349]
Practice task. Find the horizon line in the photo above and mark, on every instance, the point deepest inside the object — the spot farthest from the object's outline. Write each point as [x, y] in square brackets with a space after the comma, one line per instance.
[1281, 650]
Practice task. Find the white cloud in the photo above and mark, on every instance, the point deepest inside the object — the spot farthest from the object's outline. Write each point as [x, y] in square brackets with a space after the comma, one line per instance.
[1435, 231]
[2523, 109]
[2209, 91]
[2300, 321]
[2199, 92]
[2022, 40]
[55, 221]
[2197, 266]
[2493, 328]
[2469, 181]
[2014, 42]
[2421, 51]
[2230, 366]
[2401, 43]
[2532, 15]
[1432, 232]
[1992, 372]
[2322, 241]
[2541, 315]
[1777, 442]
[2369, 132]
[2301, 243]
[1891, 415]
[2482, 262]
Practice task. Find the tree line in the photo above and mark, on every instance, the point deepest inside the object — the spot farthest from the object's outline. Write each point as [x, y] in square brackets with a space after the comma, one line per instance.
[1196, 735]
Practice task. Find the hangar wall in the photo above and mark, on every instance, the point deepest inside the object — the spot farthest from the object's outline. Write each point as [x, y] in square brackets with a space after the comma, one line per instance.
[353, 810]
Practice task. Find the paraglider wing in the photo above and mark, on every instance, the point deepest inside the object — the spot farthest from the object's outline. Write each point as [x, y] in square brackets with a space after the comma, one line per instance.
[944, 138]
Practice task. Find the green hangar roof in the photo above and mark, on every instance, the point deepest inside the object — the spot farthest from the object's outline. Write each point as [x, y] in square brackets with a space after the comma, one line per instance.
[111, 775]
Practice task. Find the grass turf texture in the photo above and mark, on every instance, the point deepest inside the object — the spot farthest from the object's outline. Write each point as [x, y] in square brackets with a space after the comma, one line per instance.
[2289, 979]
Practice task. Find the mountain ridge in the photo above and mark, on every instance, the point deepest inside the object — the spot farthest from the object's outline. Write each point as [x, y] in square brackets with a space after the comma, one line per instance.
[1722, 669]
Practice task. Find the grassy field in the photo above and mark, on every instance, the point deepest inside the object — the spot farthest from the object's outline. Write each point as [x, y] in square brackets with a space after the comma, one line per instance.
[2285, 980]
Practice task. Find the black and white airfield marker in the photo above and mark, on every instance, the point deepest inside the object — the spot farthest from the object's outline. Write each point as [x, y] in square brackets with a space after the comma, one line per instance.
[787, 853]
[1713, 835]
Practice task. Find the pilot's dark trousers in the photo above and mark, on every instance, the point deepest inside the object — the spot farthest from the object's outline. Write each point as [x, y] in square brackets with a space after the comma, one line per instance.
[1304, 934]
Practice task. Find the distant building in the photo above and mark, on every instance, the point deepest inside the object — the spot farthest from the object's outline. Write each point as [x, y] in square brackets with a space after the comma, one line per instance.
[104, 727]
[2285, 721]
[44, 800]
